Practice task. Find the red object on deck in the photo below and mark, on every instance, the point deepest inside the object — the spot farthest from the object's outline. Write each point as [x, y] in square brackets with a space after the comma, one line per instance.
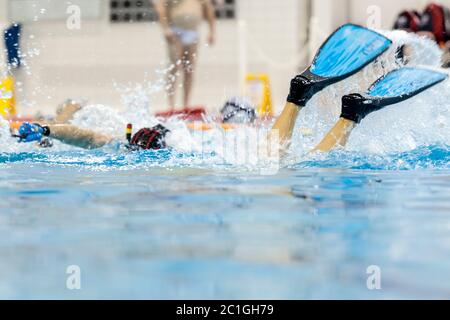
[187, 114]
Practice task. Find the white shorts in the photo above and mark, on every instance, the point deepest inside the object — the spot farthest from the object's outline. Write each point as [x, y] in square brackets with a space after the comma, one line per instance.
[187, 37]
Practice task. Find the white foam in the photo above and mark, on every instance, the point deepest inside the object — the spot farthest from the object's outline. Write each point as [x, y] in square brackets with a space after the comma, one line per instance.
[109, 121]
[100, 118]
[5, 136]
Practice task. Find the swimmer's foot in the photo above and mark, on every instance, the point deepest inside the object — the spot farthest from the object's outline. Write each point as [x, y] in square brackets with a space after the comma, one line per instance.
[356, 107]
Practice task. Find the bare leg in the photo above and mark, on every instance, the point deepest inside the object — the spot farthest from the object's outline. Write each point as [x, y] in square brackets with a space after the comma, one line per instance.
[189, 60]
[176, 56]
[171, 86]
[285, 124]
[337, 136]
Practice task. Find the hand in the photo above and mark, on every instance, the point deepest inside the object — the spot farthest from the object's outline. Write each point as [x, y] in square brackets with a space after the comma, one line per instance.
[211, 39]
[170, 36]
[32, 132]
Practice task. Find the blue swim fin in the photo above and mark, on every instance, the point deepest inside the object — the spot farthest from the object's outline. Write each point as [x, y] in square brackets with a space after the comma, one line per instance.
[405, 83]
[395, 87]
[347, 51]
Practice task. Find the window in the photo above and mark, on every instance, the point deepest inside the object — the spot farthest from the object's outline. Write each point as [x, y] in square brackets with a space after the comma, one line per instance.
[225, 9]
[127, 11]
[131, 11]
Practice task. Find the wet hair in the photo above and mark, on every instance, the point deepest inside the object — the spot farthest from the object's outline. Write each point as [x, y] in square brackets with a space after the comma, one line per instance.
[150, 138]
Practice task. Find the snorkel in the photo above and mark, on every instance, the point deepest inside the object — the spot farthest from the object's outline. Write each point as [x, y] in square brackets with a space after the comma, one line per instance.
[129, 132]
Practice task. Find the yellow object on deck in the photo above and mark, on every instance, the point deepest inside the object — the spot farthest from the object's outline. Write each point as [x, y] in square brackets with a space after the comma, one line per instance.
[260, 93]
[7, 98]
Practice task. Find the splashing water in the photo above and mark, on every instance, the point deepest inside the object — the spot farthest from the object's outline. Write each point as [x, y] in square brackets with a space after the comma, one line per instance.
[5, 139]
[409, 135]
[415, 124]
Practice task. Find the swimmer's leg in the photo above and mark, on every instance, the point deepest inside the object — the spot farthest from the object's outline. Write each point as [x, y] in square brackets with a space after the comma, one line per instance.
[189, 61]
[284, 126]
[338, 136]
[176, 55]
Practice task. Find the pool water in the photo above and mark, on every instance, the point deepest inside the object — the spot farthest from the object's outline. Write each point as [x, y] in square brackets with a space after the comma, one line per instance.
[192, 223]
[157, 231]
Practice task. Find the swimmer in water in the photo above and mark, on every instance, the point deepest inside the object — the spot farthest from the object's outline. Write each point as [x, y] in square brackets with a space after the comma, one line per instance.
[145, 139]
[396, 86]
[237, 111]
[60, 129]
[393, 87]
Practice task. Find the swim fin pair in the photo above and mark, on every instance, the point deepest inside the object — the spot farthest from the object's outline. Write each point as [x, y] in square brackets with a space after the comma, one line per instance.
[347, 51]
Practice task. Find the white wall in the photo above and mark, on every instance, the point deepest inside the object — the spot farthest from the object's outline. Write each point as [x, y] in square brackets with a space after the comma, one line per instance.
[389, 9]
[328, 15]
[86, 62]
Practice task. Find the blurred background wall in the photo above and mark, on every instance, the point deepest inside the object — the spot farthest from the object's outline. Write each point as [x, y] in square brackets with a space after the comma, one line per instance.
[85, 63]
[271, 36]
[327, 15]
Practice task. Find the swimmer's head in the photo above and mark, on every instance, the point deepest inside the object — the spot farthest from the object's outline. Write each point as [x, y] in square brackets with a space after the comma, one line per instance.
[238, 110]
[150, 138]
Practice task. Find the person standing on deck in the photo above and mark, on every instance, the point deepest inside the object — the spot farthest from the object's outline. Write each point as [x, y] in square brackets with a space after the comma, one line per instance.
[180, 21]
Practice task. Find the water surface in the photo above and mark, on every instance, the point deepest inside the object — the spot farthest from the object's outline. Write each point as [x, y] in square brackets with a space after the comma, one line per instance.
[165, 232]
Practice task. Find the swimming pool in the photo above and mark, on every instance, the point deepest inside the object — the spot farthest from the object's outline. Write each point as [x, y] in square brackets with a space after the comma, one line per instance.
[139, 226]
[192, 223]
